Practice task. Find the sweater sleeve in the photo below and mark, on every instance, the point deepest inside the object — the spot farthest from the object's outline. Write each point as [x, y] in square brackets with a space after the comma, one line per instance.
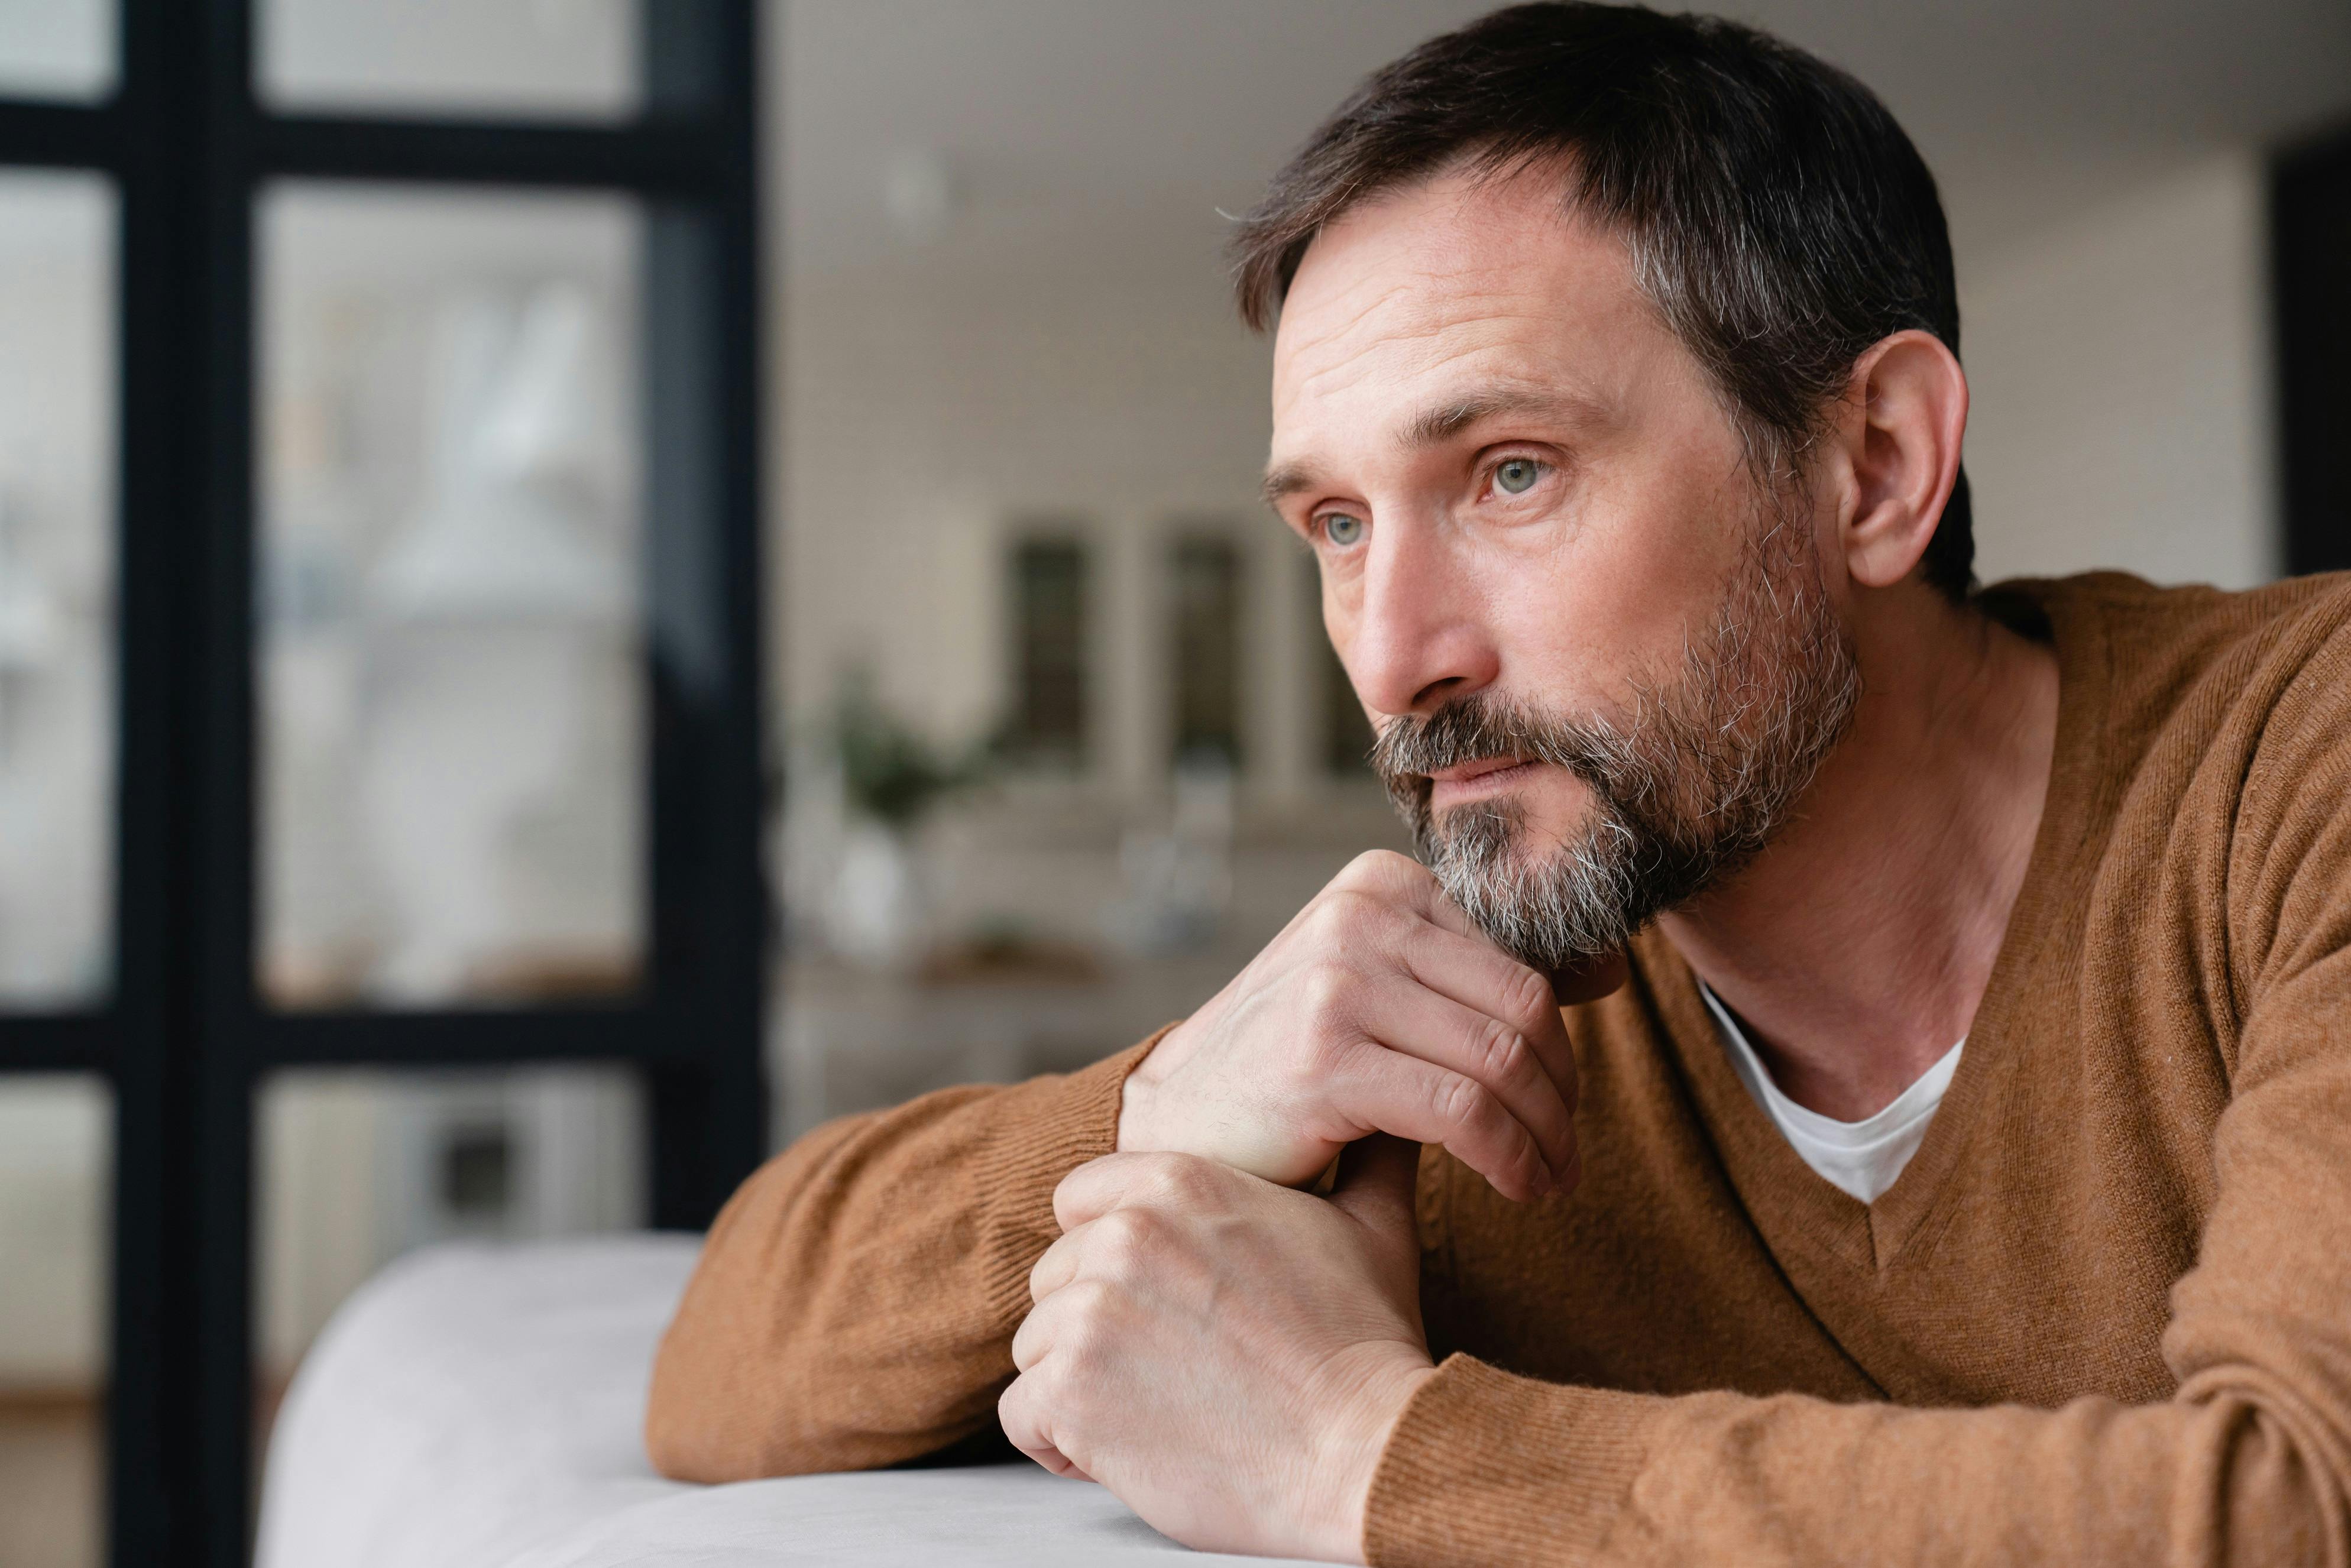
[855, 1301]
[2248, 1461]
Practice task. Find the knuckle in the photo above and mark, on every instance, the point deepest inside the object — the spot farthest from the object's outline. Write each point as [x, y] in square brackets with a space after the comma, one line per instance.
[1090, 1304]
[1386, 868]
[1328, 988]
[1156, 1165]
[1088, 1335]
[1463, 1102]
[1527, 997]
[1127, 1236]
[1188, 1181]
[1338, 915]
[1382, 876]
[1501, 1053]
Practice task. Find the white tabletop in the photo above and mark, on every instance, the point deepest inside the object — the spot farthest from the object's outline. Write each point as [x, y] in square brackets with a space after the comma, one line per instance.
[479, 1406]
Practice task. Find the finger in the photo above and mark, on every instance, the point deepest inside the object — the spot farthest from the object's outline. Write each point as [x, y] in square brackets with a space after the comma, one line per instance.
[1590, 980]
[1481, 975]
[1417, 1021]
[1022, 1415]
[1058, 1267]
[1033, 1340]
[1097, 1186]
[1469, 969]
[1377, 1182]
[1405, 884]
[1383, 897]
[1380, 1090]
[1115, 1181]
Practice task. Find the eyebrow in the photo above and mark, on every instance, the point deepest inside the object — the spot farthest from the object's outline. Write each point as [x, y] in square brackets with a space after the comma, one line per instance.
[1440, 423]
[1284, 480]
[1443, 422]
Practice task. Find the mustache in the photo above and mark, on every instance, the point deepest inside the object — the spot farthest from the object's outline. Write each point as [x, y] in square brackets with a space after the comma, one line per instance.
[1473, 728]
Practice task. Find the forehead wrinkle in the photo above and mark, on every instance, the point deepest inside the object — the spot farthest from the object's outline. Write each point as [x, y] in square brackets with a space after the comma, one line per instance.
[1345, 347]
[1405, 330]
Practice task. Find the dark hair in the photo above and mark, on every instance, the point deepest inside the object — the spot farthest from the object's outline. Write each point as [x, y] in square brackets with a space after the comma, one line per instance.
[1777, 217]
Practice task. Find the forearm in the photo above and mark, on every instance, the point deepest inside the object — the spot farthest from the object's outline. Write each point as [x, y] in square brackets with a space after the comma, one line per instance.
[1488, 1468]
[855, 1303]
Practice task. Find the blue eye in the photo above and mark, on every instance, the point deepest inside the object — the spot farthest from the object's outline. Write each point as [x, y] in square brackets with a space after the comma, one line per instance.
[1517, 476]
[1341, 529]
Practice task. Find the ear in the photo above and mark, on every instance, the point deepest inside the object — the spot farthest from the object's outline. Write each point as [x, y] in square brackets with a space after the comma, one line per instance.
[1906, 409]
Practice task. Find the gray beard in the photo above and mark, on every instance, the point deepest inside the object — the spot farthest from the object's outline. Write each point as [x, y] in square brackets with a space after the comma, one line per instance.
[1688, 783]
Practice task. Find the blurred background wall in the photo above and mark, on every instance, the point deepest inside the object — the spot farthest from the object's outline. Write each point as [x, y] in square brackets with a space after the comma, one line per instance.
[1057, 738]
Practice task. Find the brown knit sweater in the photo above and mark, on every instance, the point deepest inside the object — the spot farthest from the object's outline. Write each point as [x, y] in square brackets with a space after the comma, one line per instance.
[2104, 1317]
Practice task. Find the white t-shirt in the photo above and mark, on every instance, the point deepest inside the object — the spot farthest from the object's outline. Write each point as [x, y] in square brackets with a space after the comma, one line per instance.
[1858, 1158]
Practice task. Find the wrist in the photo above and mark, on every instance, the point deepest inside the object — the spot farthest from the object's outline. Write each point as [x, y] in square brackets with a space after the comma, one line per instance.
[1137, 1094]
[1358, 1436]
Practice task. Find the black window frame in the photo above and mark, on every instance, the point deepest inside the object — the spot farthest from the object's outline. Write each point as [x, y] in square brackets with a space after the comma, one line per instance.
[184, 1039]
[2310, 261]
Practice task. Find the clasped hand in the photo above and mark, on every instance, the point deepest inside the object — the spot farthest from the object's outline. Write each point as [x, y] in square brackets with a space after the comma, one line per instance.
[1228, 1355]
[1225, 1355]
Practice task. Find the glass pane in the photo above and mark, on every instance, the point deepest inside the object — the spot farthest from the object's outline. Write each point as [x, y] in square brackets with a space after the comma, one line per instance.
[57, 49]
[57, 589]
[1207, 660]
[453, 770]
[573, 57]
[357, 1165]
[56, 1171]
[1049, 653]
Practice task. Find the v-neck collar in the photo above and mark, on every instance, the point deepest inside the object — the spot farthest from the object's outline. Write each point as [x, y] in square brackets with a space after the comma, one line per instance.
[1797, 1212]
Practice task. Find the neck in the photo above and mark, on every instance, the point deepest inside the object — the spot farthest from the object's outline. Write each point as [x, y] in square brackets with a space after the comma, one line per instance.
[1858, 946]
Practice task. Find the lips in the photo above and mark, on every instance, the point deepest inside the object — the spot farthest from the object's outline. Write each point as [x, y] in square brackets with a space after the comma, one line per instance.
[1465, 781]
[1463, 772]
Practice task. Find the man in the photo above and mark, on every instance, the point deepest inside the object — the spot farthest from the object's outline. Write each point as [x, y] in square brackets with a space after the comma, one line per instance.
[1945, 1152]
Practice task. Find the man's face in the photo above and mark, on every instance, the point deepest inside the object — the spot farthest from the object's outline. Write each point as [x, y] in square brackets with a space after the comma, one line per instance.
[1604, 661]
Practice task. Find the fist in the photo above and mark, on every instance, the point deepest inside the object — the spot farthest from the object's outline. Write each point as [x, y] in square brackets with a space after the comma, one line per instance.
[1227, 1357]
[1379, 1008]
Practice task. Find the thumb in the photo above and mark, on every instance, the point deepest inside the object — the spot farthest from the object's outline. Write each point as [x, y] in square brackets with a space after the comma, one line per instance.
[1377, 1178]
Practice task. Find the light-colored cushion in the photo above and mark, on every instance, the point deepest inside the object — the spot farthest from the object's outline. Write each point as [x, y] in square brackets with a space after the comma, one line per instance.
[478, 1407]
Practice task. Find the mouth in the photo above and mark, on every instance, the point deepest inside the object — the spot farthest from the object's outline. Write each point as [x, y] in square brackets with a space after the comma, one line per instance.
[1477, 780]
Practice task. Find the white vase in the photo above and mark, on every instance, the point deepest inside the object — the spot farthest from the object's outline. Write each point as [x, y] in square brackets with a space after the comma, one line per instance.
[877, 903]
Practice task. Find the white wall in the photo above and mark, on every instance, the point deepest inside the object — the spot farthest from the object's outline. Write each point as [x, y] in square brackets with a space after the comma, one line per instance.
[2120, 367]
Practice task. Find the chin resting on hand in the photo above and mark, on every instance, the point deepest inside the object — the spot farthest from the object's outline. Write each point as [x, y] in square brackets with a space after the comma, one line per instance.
[1379, 1008]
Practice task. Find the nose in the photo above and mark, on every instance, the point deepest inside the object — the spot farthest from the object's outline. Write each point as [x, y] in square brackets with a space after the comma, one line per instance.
[1415, 639]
